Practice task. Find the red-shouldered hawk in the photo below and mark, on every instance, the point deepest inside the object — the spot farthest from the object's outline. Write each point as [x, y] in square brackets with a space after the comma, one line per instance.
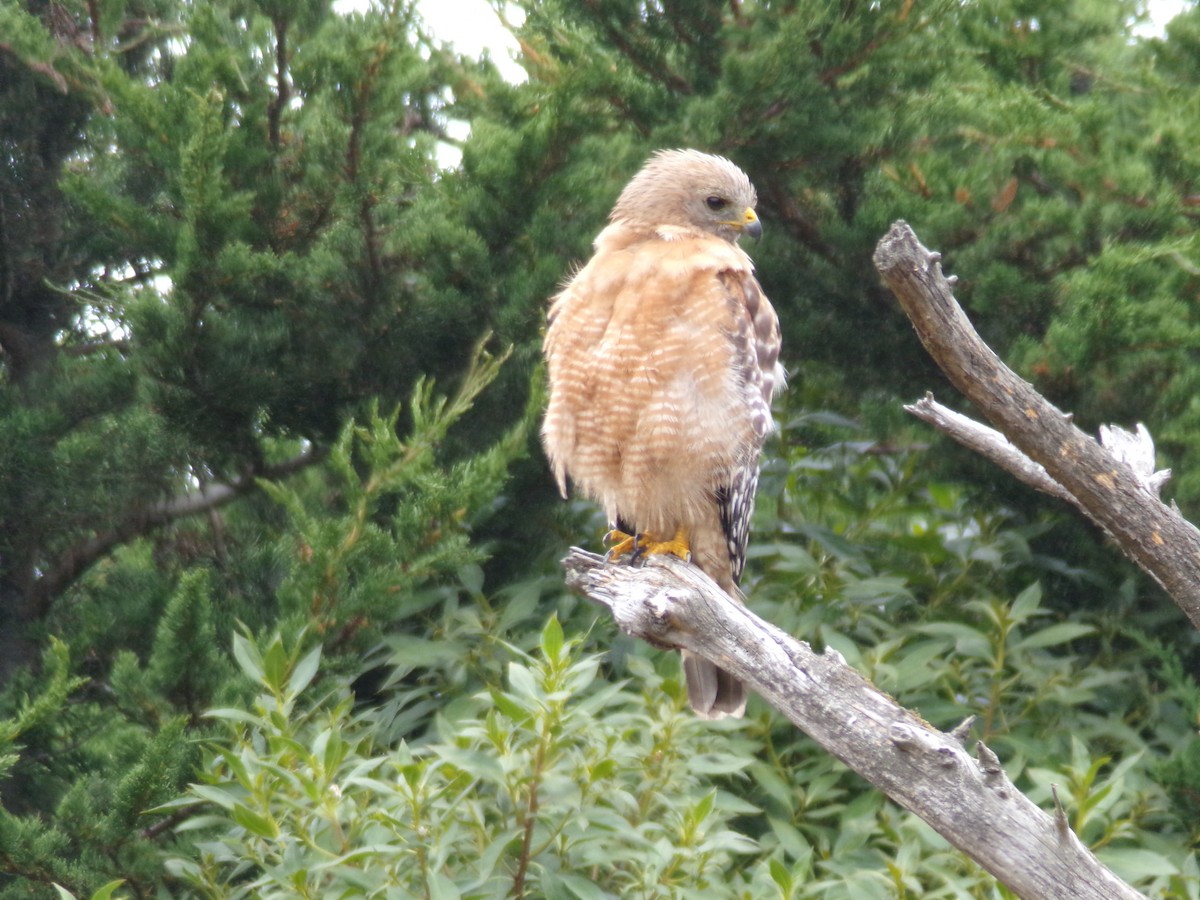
[663, 356]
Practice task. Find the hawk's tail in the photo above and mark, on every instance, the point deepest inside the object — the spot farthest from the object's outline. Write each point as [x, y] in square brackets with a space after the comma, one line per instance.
[713, 692]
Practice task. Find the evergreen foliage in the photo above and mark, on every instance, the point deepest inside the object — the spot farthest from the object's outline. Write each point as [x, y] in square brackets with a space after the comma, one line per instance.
[279, 609]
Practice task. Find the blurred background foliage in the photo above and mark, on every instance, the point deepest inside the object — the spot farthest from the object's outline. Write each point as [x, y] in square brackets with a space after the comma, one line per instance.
[280, 611]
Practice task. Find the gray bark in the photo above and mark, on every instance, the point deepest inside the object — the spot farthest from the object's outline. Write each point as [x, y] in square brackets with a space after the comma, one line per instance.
[968, 800]
[1106, 488]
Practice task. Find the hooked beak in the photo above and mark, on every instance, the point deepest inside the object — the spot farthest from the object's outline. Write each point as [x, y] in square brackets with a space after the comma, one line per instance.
[750, 224]
[747, 224]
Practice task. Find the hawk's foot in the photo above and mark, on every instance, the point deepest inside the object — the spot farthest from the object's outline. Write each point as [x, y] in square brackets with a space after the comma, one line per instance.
[639, 545]
[676, 546]
[621, 542]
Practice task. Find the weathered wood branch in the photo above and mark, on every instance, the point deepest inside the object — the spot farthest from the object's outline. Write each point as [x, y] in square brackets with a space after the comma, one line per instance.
[1106, 488]
[988, 443]
[969, 801]
[1134, 448]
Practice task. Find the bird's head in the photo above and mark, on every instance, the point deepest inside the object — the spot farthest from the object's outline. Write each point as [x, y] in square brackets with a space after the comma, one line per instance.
[690, 189]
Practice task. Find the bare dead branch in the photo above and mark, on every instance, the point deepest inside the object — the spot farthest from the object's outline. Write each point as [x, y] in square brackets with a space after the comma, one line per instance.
[1151, 533]
[970, 802]
[988, 443]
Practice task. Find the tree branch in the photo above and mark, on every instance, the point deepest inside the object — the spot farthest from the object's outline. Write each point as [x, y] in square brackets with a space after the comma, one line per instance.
[279, 102]
[76, 559]
[988, 443]
[1134, 448]
[1106, 488]
[970, 802]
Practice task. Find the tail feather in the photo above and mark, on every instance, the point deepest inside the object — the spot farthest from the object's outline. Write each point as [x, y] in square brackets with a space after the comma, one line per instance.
[713, 692]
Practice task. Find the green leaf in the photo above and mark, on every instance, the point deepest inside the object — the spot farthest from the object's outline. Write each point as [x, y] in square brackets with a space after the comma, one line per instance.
[499, 847]
[441, 887]
[1027, 603]
[730, 841]
[522, 682]
[791, 558]
[508, 706]
[222, 798]
[790, 839]
[409, 652]
[234, 715]
[920, 663]
[718, 763]
[201, 823]
[704, 806]
[551, 885]
[106, 891]
[474, 762]
[780, 875]
[1053, 635]
[876, 591]
[1132, 864]
[254, 822]
[777, 788]
[248, 658]
[275, 665]
[582, 888]
[552, 639]
[968, 641]
[304, 672]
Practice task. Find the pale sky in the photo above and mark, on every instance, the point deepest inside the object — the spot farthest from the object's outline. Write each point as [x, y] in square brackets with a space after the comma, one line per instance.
[473, 26]
[1162, 12]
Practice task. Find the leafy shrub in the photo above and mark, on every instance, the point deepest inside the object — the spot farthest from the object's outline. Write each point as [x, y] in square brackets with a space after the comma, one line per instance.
[582, 775]
[557, 784]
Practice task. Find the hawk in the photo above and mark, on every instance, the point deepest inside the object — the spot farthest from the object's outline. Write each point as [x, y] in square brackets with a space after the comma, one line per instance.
[663, 356]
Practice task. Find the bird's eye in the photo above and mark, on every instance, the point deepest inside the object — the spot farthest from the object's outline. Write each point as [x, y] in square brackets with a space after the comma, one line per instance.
[716, 203]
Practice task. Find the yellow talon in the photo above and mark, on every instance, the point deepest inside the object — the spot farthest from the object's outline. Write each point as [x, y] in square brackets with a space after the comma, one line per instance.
[676, 546]
[622, 543]
[644, 544]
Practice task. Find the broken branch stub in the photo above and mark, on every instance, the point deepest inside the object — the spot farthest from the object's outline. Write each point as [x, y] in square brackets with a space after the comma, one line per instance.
[1151, 533]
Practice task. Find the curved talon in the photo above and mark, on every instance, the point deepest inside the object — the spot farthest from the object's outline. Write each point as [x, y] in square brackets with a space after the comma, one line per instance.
[639, 545]
[676, 546]
[622, 543]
